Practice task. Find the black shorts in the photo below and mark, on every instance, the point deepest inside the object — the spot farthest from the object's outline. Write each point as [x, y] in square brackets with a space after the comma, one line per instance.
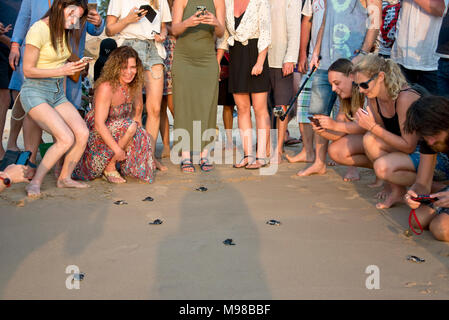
[5, 69]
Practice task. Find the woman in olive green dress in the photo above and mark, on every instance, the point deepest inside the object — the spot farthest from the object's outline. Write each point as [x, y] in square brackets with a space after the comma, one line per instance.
[195, 72]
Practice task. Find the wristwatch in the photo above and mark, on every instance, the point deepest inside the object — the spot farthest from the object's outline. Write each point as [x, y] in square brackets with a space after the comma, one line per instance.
[6, 182]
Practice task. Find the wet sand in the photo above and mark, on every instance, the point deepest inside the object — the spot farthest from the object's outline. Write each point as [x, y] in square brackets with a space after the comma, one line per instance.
[330, 233]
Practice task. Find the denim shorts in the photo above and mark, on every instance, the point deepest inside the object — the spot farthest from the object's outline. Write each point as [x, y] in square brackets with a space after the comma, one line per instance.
[147, 51]
[322, 98]
[441, 172]
[37, 91]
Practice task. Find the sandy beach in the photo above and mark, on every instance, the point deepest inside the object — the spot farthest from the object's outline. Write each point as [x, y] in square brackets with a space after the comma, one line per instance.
[330, 233]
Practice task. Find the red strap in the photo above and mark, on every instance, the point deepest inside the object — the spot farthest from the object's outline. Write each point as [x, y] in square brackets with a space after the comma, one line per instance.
[227, 56]
[413, 213]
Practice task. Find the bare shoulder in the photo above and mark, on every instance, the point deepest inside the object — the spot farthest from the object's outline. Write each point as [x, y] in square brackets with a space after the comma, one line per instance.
[406, 98]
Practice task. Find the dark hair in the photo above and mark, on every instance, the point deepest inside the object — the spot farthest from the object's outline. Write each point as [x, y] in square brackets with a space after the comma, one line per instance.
[349, 105]
[428, 116]
[57, 23]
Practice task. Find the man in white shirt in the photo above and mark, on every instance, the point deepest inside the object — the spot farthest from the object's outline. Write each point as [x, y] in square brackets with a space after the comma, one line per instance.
[282, 57]
[416, 41]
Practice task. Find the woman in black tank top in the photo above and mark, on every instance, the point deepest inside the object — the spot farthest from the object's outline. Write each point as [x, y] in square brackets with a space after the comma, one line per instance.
[385, 143]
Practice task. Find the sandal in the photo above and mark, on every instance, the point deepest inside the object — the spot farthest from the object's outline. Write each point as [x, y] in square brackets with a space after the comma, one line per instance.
[243, 165]
[113, 177]
[265, 163]
[187, 164]
[205, 165]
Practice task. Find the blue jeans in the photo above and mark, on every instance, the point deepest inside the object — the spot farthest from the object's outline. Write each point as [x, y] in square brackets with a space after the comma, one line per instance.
[322, 98]
[443, 77]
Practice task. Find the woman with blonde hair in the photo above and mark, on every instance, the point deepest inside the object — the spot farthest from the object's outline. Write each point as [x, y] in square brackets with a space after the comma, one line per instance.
[346, 135]
[115, 135]
[386, 144]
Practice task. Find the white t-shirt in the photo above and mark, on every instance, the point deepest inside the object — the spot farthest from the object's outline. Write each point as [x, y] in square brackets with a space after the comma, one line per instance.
[314, 8]
[143, 29]
[416, 38]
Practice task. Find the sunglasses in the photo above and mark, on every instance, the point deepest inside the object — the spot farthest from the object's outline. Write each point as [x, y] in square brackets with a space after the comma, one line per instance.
[364, 85]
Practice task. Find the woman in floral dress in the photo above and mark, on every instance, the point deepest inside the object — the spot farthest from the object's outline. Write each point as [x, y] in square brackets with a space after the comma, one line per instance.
[114, 123]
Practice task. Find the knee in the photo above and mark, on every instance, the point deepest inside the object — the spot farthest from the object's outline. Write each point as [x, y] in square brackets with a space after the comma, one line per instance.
[81, 135]
[370, 144]
[336, 152]
[66, 140]
[440, 227]
[382, 168]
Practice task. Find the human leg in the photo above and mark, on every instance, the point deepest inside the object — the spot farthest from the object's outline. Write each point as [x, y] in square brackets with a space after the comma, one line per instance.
[227, 121]
[439, 226]
[15, 125]
[5, 100]
[243, 103]
[164, 129]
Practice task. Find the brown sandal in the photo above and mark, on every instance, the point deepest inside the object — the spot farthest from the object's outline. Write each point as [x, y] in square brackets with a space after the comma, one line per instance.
[110, 176]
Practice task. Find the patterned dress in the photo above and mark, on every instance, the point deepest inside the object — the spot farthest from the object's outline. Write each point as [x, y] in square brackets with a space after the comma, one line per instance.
[139, 161]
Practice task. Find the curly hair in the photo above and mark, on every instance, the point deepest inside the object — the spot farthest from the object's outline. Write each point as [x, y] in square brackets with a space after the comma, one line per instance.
[349, 105]
[372, 64]
[117, 61]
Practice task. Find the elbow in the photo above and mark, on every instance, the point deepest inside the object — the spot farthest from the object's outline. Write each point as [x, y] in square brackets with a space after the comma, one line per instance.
[109, 32]
[26, 72]
[409, 149]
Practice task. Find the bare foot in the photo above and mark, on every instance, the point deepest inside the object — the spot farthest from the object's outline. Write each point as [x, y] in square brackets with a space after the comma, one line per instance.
[352, 175]
[13, 148]
[315, 168]
[160, 166]
[33, 190]
[376, 184]
[301, 157]
[70, 183]
[395, 196]
[384, 193]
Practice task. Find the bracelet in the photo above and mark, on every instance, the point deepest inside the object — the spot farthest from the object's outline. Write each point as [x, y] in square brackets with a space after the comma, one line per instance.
[372, 127]
[15, 45]
[6, 181]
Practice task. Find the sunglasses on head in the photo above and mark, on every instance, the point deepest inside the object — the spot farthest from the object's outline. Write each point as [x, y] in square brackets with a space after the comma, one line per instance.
[364, 85]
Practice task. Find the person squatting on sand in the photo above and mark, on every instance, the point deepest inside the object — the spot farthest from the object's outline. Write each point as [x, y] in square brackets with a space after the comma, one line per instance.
[386, 144]
[346, 135]
[115, 133]
[428, 117]
[42, 95]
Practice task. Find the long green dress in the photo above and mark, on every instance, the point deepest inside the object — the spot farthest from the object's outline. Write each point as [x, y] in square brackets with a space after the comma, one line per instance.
[195, 77]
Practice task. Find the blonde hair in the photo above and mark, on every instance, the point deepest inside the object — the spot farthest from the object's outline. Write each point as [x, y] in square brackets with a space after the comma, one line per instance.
[348, 105]
[372, 64]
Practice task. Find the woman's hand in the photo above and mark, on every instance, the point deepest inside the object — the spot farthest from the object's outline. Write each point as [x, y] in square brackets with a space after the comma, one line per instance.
[365, 119]
[314, 61]
[14, 57]
[119, 154]
[443, 199]
[94, 18]
[257, 69]
[412, 204]
[325, 121]
[194, 20]
[135, 15]
[71, 68]
[4, 29]
[317, 128]
[210, 19]
[17, 173]
[160, 37]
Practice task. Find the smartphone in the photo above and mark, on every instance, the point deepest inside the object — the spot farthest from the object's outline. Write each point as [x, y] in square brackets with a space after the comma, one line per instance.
[151, 14]
[23, 158]
[424, 199]
[315, 121]
[202, 9]
[364, 111]
[92, 6]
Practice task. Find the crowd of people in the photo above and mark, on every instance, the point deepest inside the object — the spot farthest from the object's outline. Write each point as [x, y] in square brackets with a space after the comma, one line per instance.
[378, 90]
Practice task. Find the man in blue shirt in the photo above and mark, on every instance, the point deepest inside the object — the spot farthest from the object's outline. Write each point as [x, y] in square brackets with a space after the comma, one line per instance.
[30, 12]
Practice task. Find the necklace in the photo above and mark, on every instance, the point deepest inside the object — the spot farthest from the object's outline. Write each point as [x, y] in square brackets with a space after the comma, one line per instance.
[125, 93]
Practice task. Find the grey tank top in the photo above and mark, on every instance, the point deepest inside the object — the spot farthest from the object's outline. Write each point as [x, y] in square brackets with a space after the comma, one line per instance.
[344, 32]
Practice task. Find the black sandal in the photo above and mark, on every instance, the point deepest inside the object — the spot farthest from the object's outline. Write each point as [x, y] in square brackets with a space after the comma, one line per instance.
[243, 166]
[186, 164]
[204, 162]
[265, 163]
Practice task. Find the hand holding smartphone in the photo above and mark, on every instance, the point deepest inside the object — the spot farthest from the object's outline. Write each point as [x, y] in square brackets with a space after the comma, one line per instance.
[424, 199]
[315, 121]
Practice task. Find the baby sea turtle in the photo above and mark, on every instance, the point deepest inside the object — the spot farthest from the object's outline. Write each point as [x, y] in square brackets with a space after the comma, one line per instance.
[78, 276]
[157, 221]
[415, 259]
[229, 242]
[202, 189]
[274, 222]
[148, 199]
[120, 202]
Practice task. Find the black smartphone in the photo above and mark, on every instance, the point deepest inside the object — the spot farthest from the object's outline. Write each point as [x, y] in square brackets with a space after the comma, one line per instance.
[424, 199]
[151, 14]
[315, 121]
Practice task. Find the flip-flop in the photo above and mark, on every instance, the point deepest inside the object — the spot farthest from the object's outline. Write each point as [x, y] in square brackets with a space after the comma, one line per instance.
[243, 166]
[185, 164]
[265, 163]
[204, 162]
[113, 174]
